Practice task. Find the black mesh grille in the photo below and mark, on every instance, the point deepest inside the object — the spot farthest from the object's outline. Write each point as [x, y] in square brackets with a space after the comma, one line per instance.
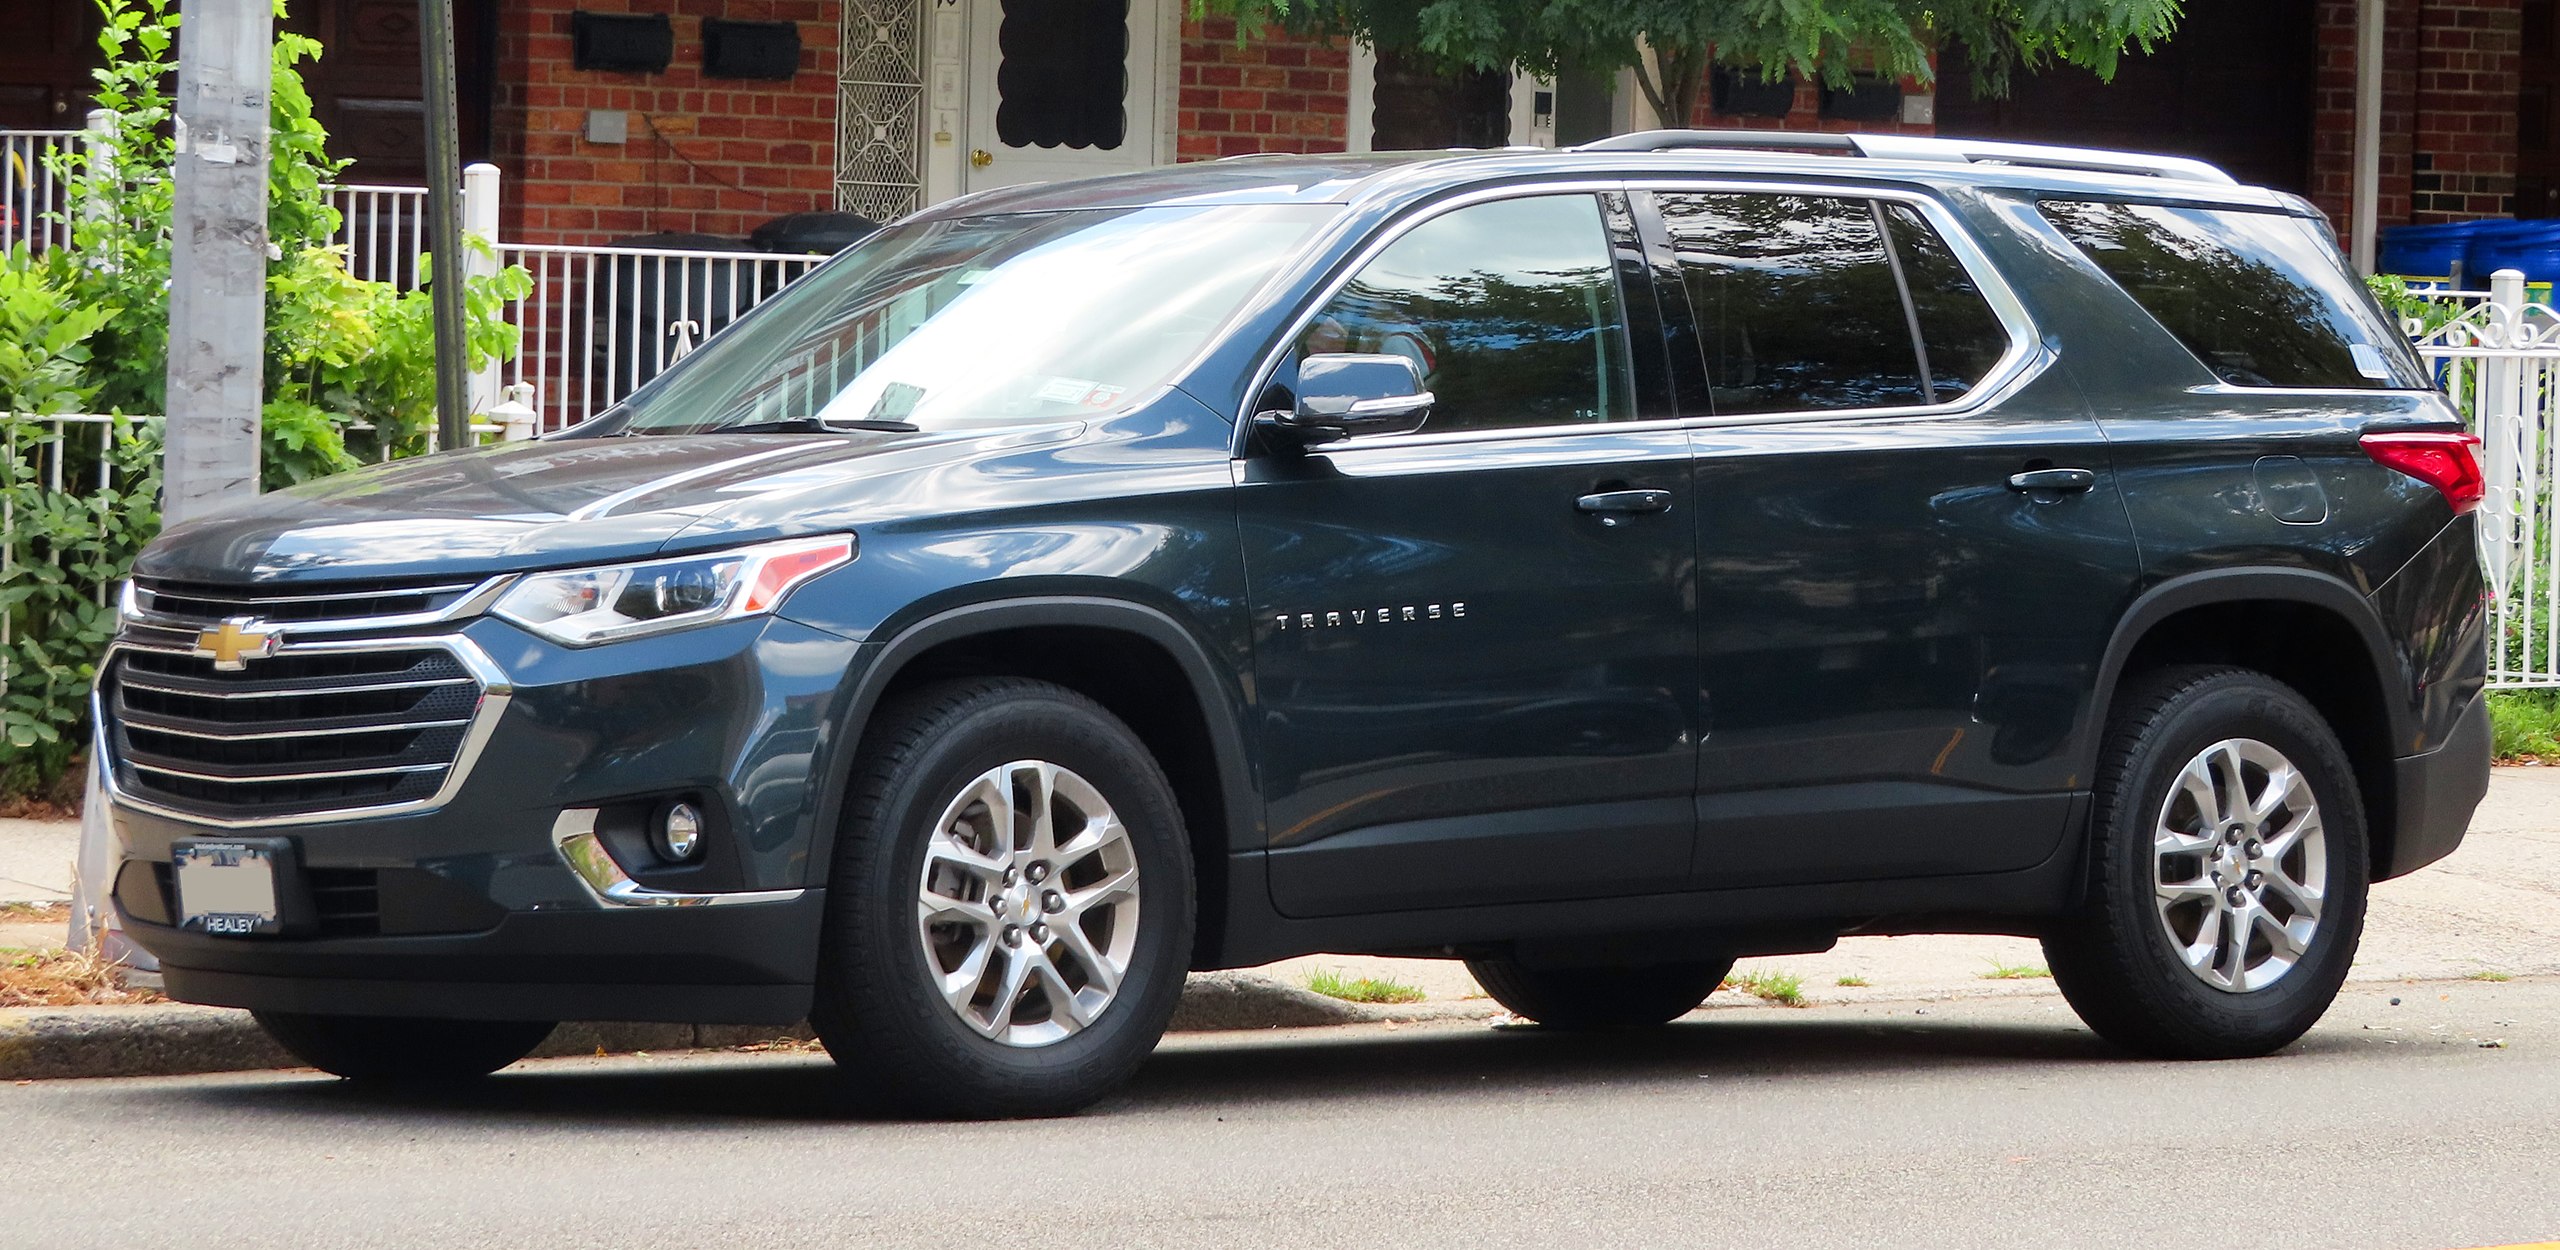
[289, 733]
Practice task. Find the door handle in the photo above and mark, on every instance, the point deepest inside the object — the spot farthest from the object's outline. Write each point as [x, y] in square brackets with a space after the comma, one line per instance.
[2060, 481]
[1613, 506]
[980, 158]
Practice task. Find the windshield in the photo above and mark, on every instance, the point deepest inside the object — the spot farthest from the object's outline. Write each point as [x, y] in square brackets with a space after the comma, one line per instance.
[982, 321]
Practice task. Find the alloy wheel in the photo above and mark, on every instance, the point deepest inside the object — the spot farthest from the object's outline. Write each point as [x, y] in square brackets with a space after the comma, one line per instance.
[1028, 905]
[2240, 863]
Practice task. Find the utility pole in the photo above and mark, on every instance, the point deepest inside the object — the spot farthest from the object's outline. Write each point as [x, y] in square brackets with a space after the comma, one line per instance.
[218, 265]
[444, 224]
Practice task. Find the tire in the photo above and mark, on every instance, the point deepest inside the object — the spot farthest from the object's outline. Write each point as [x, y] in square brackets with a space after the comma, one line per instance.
[2169, 978]
[394, 1049]
[1599, 998]
[911, 1026]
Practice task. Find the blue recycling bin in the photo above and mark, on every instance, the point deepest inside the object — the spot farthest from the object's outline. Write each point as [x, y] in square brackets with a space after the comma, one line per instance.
[2530, 246]
[2429, 251]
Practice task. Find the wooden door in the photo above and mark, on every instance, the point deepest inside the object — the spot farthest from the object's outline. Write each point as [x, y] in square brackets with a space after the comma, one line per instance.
[2537, 126]
[46, 50]
[2233, 86]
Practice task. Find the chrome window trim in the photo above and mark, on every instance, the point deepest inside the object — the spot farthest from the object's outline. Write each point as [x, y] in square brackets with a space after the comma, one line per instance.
[2025, 357]
[476, 599]
[496, 691]
[573, 836]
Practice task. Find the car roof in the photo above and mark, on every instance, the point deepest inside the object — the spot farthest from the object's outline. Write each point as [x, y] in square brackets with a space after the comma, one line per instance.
[1363, 177]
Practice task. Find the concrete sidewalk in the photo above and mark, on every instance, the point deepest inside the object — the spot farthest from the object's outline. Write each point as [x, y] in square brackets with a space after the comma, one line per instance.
[35, 860]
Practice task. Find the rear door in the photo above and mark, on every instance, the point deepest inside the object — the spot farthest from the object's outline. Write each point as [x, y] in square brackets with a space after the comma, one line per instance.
[1910, 544]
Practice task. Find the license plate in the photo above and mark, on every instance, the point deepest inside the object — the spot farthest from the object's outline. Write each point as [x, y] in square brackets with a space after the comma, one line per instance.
[227, 889]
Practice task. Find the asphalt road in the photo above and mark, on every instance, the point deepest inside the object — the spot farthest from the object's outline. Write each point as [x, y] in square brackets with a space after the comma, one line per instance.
[1963, 1124]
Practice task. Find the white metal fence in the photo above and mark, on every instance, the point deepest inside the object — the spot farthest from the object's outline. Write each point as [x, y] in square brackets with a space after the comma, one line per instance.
[602, 320]
[66, 457]
[2498, 361]
[384, 229]
[31, 195]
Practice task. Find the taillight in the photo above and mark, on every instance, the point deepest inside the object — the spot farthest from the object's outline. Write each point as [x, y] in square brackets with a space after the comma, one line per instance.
[2448, 461]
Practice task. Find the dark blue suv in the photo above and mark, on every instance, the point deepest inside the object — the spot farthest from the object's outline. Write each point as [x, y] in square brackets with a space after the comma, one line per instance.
[1593, 565]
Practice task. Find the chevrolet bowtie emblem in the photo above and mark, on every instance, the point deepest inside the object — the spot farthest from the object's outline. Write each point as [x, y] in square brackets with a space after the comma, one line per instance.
[231, 647]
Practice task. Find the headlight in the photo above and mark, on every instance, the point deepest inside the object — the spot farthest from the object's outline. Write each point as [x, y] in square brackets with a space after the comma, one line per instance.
[582, 607]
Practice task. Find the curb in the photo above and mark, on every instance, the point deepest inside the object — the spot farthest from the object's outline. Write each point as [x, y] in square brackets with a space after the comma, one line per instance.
[180, 1039]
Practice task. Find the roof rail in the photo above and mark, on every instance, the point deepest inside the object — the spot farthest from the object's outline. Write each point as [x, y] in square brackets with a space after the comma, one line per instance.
[1919, 148]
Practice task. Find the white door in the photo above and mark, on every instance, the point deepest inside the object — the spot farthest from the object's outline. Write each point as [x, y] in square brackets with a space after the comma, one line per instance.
[1061, 89]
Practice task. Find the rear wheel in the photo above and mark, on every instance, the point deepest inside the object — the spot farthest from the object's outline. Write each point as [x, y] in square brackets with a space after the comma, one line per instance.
[2230, 874]
[1599, 998]
[393, 1049]
[1010, 913]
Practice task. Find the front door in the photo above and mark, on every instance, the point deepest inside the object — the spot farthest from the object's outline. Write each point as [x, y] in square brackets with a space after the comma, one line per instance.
[1061, 89]
[1910, 548]
[1474, 653]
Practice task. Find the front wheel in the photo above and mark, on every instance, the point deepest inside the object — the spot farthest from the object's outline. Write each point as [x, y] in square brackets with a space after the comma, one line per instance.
[1599, 998]
[1010, 911]
[394, 1049]
[2229, 886]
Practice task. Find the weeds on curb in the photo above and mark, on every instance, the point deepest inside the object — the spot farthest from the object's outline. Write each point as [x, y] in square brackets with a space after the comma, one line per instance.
[64, 979]
[1784, 988]
[2488, 974]
[2015, 972]
[35, 913]
[1333, 984]
[1852, 982]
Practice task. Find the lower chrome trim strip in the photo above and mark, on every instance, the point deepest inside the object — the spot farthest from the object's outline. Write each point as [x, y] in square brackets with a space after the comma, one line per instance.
[573, 833]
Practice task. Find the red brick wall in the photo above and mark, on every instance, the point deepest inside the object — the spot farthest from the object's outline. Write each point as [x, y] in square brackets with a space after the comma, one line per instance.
[1273, 94]
[2450, 72]
[714, 156]
[2470, 60]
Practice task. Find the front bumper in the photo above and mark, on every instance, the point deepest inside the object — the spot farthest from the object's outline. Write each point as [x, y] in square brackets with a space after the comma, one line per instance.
[470, 909]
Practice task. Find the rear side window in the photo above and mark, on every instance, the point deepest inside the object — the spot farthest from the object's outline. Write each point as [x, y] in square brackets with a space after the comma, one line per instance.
[2260, 298]
[1962, 337]
[1800, 307]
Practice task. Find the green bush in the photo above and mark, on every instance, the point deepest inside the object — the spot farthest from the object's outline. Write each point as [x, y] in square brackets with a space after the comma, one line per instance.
[349, 369]
[2524, 724]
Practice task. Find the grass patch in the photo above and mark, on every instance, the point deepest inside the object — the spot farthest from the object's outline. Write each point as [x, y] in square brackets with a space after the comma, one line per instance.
[1777, 987]
[35, 913]
[63, 979]
[2488, 974]
[2524, 725]
[2015, 972]
[1333, 984]
[1851, 982]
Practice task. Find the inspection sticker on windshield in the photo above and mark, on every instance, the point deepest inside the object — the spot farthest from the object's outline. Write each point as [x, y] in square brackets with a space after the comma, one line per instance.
[1064, 390]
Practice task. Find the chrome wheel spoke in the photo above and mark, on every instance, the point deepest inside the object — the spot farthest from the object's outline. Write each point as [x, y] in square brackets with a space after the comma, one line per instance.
[2239, 901]
[1028, 903]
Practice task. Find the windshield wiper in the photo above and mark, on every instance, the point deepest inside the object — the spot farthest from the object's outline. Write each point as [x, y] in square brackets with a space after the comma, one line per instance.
[816, 425]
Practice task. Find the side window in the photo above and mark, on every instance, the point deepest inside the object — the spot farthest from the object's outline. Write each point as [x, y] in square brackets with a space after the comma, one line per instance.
[1959, 333]
[1510, 309]
[2259, 297]
[1795, 300]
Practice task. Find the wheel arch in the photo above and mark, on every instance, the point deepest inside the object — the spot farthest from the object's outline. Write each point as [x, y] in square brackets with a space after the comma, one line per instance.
[2309, 630]
[1139, 662]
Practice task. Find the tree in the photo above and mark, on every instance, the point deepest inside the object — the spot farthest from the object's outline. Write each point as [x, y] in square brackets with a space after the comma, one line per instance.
[1826, 39]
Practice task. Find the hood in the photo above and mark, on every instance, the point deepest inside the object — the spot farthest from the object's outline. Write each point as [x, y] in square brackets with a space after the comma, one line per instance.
[552, 503]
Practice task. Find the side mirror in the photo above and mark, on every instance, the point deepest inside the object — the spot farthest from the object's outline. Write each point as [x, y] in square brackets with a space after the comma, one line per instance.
[1340, 395]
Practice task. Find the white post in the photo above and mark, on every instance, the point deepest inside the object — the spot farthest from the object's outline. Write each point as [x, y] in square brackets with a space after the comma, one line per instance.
[100, 145]
[2505, 436]
[218, 262]
[480, 192]
[2364, 208]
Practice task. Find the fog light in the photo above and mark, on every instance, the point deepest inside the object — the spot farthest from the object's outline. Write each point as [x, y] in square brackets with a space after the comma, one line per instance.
[680, 832]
